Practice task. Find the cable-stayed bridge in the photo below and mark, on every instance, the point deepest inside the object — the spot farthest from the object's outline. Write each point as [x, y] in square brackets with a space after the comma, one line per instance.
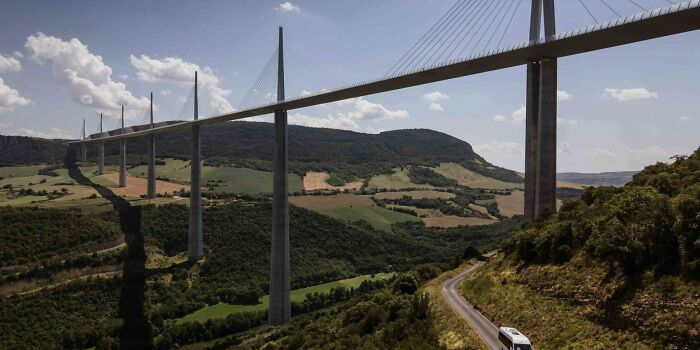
[452, 48]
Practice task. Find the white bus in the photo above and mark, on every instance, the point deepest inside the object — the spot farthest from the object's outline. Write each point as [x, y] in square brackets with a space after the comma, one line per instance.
[512, 339]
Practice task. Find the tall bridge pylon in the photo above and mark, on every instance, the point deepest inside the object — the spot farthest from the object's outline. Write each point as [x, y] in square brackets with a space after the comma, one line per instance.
[541, 119]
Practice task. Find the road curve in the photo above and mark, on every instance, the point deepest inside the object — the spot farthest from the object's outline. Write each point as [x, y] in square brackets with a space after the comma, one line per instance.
[481, 325]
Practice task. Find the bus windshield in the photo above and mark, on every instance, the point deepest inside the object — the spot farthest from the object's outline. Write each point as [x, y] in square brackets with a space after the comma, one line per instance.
[521, 347]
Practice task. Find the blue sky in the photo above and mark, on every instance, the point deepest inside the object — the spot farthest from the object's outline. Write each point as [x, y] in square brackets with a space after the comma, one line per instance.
[64, 61]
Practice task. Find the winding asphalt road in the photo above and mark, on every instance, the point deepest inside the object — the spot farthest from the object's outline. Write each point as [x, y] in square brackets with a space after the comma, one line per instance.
[481, 325]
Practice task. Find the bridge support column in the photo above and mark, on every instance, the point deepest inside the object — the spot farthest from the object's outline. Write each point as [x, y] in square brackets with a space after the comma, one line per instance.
[195, 246]
[83, 147]
[101, 152]
[531, 137]
[151, 185]
[546, 173]
[280, 309]
[122, 156]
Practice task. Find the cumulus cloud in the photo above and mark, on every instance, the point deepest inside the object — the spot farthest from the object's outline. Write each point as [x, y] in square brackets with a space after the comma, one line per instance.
[499, 118]
[435, 96]
[563, 95]
[173, 69]
[631, 94]
[87, 76]
[434, 106]
[572, 122]
[287, 7]
[518, 115]
[9, 64]
[362, 111]
[10, 98]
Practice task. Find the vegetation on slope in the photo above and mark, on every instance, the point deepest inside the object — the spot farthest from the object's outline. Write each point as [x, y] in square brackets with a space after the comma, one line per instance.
[30, 235]
[345, 154]
[622, 264]
[23, 150]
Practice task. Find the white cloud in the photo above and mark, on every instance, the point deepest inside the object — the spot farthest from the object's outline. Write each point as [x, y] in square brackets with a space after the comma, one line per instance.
[89, 79]
[9, 64]
[339, 121]
[305, 93]
[434, 106]
[435, 96]
[287, 7]
[494, 148]
[366, 110]
[631, 94]
[10, 98]
[165, 92]
[684, 118]
[499, 118]
[123, 77]
[173, 69]
[519, 114]
[18, 54]
[563, 95]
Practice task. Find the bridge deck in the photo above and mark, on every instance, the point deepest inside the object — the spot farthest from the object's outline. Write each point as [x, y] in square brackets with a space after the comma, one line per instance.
[657, 23]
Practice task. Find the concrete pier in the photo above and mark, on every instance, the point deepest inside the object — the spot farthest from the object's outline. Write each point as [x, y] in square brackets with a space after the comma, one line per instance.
[101, 152]
[531, 137]
[122, 156]
[151, 185]
[279, 311]
[83, 147]
[547, 139]
[195, 246]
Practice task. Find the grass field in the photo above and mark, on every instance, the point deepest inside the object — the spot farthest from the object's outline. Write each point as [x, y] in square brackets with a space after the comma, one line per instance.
[298, 295]
[430, 194]
[226, 179]
[454, 221]
[20, 171]
[396, 181]
[380, 218]
[469, 178]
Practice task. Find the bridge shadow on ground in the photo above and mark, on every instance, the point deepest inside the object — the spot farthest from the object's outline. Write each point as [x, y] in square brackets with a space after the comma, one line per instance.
[136, 331]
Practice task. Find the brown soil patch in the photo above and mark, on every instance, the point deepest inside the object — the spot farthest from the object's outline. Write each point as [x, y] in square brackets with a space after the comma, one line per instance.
[136, 186]
[341, 200]
[317, 181]
[514, 204]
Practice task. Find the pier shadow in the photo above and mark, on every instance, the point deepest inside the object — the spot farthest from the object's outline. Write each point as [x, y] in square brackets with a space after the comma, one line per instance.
[136, 331]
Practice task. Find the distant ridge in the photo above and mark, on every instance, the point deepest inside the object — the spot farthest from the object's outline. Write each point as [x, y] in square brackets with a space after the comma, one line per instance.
[251, 144]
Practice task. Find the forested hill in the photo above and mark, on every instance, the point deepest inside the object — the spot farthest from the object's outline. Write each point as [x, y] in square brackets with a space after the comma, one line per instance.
[22, 150]
[252, 144]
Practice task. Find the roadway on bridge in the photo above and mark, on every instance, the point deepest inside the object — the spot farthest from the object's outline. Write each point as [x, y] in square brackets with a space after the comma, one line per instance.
[481, 325]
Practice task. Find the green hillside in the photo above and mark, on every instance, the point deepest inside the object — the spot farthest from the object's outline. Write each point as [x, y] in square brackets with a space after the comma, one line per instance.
[619, 267]
[346, 154]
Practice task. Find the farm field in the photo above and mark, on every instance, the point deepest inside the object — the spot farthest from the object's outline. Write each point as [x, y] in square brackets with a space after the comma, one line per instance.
[317, 181]
[223, 179]
[396, 181]
[342, 200]
[454, 221]
[469, 178]
[429, 194]
[221, 310]
[380, 218]
[514, 204]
